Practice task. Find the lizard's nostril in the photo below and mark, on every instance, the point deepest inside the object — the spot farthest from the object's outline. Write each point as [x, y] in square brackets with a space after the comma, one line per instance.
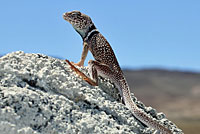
[65, 14]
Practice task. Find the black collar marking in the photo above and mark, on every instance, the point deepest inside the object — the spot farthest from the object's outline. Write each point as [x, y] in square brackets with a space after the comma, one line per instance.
[90, 32]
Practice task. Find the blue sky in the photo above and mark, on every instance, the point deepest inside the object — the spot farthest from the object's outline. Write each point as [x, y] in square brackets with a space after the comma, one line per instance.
[142, 33]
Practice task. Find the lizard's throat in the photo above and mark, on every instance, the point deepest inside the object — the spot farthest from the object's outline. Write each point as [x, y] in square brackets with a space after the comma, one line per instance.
[86, 33]
[82, 32]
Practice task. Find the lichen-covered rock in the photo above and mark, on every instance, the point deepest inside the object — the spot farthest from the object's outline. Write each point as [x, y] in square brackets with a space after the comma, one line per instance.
[42, 95]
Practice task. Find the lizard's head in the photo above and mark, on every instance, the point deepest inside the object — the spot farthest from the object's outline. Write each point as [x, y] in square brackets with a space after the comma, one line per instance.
[81, 22]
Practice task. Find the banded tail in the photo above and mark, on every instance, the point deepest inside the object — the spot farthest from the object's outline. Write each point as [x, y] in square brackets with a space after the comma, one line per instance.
[137, 112]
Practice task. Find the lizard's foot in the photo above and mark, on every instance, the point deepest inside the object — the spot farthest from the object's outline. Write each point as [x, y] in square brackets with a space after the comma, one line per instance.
[83, 76]
[80, 64]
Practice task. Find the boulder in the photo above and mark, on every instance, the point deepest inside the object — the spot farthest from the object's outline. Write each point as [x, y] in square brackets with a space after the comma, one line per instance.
[42, 95]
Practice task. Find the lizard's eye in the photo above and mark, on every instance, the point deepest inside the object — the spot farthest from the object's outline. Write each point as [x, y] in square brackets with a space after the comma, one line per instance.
[77, 13]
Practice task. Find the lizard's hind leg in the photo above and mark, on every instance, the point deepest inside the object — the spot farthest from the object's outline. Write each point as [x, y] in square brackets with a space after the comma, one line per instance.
[92, 72]
[83, 76]
[97, 68]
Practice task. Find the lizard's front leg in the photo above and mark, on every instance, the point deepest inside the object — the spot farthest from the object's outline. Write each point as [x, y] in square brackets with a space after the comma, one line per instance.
[83, 55]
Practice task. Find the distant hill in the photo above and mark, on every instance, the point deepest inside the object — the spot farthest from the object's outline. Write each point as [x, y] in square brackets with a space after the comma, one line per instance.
[175, 93]
[172, 87]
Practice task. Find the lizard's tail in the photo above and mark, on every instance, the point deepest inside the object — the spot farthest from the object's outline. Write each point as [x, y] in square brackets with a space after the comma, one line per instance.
[139, 113]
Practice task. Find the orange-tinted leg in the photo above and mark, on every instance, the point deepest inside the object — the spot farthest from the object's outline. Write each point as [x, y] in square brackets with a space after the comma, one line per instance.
[83, 76]
[83, 55]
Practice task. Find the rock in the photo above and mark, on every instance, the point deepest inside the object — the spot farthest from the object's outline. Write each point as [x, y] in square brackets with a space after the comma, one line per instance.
[42, 95]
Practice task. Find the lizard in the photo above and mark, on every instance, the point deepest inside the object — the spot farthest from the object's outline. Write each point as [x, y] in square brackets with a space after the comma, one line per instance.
[105, 65]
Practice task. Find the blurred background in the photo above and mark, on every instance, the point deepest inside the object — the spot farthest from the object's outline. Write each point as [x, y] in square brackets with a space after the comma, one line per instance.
[157, 44]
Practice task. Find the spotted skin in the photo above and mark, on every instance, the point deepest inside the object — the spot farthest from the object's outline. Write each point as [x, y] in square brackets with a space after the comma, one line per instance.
[103, 52]
[106, 65]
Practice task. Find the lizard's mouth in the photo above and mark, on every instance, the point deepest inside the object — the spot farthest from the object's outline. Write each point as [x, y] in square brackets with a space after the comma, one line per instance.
[65, 16]
[68, 18]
